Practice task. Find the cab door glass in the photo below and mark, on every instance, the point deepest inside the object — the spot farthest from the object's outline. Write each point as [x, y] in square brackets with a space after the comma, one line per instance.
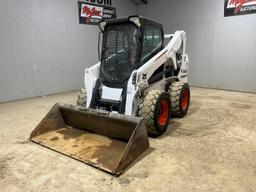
[152, 42]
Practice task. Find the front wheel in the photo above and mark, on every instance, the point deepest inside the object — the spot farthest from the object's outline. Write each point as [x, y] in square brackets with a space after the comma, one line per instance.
[155, 109]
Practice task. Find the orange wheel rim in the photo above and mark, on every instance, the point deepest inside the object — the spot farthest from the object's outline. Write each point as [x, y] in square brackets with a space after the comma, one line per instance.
[185, 100]
[164, 112]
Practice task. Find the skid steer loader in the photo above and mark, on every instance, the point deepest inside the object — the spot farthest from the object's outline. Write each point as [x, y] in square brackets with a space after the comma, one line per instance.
[139, 83]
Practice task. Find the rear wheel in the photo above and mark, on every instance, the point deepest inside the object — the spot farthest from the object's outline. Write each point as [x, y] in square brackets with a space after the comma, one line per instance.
[180, 97]
[155, 109]
[82, 97]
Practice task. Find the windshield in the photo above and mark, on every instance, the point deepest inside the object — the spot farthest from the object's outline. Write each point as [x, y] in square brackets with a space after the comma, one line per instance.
[119, 52]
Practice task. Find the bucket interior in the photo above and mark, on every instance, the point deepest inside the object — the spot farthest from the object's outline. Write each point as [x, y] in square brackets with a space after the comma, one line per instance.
[99, 139]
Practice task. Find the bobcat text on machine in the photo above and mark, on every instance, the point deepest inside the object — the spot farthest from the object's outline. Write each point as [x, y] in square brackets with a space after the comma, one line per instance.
[139, 83]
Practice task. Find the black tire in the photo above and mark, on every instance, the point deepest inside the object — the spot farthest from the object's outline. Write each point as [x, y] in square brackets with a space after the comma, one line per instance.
[180, 97]
[82, 97]
[155, 108]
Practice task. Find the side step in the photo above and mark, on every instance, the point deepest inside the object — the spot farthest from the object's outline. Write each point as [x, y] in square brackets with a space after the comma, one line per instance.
[104, 140]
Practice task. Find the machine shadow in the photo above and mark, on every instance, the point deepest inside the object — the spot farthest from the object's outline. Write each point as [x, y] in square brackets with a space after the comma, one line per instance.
[194, 107]
[173, 126]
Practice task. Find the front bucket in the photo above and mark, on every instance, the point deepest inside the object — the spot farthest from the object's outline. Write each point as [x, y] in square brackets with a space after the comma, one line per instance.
[105, 140]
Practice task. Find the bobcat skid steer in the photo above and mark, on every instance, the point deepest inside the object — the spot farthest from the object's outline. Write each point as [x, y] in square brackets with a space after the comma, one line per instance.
[139, 83]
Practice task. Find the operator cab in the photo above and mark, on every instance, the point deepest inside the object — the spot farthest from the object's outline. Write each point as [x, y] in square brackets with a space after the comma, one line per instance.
[127, 44]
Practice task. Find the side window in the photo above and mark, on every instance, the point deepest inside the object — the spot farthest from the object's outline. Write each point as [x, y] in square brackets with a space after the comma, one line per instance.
[152, 41]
